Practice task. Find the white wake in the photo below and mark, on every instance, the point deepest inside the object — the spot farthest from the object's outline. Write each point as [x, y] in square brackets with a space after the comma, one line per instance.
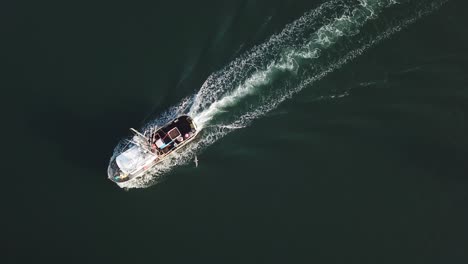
[307, 50]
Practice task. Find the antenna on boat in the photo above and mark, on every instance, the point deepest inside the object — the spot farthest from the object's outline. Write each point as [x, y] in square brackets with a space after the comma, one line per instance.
[138, 133]
[142, 141]
[155, 133]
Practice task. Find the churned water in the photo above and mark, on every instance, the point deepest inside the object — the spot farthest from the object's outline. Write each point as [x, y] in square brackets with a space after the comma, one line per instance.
[305, 51]
[333, 131]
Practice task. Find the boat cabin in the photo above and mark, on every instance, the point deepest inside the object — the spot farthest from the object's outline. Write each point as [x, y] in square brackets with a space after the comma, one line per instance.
[147, 149]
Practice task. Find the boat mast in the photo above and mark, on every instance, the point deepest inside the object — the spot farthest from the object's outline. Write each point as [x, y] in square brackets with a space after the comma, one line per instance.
[138, 133]
[142, 141]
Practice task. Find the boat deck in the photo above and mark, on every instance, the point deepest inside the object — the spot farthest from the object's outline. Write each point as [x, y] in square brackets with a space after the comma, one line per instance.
[161, 143]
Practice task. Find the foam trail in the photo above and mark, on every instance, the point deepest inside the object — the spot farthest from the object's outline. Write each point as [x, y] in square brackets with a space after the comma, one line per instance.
[247, 118]
[306, 51]
[289, 59]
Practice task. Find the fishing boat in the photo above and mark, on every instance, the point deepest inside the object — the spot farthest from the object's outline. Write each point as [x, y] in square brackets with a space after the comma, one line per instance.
[145, 150]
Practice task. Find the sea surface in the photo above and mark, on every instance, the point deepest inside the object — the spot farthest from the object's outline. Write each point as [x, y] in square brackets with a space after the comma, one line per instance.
[331, 131]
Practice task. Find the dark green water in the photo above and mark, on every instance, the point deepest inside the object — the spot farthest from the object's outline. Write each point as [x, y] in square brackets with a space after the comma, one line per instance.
[357, 155]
